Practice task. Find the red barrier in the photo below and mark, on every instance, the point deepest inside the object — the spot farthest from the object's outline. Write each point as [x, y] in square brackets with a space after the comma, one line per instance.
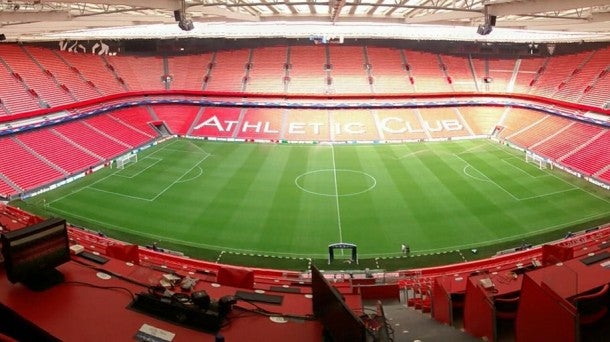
[539, 306]
[479, 313]
[127, 253]
[441, 303]
[235, 277]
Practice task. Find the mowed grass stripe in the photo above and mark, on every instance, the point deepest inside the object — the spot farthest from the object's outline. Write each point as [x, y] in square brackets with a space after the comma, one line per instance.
[420, 215]
[237, 173]
[474, 209]
[318, 208]
[286, 220]
[360, 219]
[460, 205]
[256, 206]
[394, 198]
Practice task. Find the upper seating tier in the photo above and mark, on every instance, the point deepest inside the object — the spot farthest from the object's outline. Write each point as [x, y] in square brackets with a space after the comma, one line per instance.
[46, 78]
[42, 84]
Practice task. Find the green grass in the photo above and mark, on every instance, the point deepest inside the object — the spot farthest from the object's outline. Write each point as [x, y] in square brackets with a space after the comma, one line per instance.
[279, 205]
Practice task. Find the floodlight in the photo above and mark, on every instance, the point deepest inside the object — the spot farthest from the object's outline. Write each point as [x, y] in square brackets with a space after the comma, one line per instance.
[484, 29]
[487, 27]
[186, 24]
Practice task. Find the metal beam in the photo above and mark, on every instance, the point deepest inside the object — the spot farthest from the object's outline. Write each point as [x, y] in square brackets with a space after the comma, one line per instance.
[23, 16]
[270, 7]
[33, 28]
[374, 8]
[160, 4]
[336, 7]
[599, 17]
[443, 16]
[592, 27]
[116, 18]
[354, 5]
[312, 8]
[222, 12]
[540, 6]
[540, 24]
[389, 13]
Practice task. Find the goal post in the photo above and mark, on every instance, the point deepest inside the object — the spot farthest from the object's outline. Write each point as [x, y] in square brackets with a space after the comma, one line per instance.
[126, 159]
[342, 245]
[537, 160]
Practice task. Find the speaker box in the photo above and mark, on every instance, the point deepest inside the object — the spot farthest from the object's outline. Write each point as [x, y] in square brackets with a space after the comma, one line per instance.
[186, 25]
[492, 20]
[178, 15]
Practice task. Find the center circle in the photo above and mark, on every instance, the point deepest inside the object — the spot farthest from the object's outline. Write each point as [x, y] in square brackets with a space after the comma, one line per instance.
[335, 182]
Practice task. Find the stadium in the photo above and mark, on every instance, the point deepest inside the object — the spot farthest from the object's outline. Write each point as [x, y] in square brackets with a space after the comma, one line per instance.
[447, 158]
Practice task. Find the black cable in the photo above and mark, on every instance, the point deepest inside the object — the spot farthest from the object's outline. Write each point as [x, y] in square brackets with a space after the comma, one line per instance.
[271, 313]
[265, 312]
[119, 276]
[82, 283]
[254, 311]
[390, 330]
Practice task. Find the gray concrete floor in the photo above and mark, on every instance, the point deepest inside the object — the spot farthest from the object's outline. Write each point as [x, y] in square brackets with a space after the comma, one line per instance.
[412, 325]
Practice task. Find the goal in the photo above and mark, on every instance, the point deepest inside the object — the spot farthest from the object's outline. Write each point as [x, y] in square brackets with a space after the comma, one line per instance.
[539, 161]
[342, 245]
[126, 159]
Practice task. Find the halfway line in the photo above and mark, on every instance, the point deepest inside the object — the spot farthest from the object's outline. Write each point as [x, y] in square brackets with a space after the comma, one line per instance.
[332, 149]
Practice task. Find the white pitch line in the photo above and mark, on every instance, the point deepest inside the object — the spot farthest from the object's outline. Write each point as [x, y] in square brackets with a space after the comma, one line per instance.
[83, 188]
[488, 179]
[410, 154]
[179, 178]
[521, 170]
[548, 172]
[332, 149]
[470, 149]
[120, 194]
[156, 161]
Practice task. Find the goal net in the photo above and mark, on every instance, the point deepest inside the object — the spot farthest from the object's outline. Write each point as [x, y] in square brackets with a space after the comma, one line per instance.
[342, 245]
[122, 161]
[537, 160]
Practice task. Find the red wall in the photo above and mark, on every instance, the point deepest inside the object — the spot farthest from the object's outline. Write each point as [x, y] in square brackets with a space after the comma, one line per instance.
[537, 308]
[479, 312]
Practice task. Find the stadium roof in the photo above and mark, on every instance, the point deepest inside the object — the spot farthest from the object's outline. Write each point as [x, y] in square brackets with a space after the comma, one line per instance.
[517, 20]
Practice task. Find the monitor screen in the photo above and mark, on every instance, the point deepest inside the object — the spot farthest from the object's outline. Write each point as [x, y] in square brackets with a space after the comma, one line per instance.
[339, 321]
[32, 253]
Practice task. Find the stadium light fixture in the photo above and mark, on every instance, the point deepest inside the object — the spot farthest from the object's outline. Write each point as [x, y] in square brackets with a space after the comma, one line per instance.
[184, 23]
[484, 29]
[490, 21]
[533, 49]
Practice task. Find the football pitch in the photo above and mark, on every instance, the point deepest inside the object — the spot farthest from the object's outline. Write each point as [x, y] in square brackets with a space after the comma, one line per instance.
[293, 200]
